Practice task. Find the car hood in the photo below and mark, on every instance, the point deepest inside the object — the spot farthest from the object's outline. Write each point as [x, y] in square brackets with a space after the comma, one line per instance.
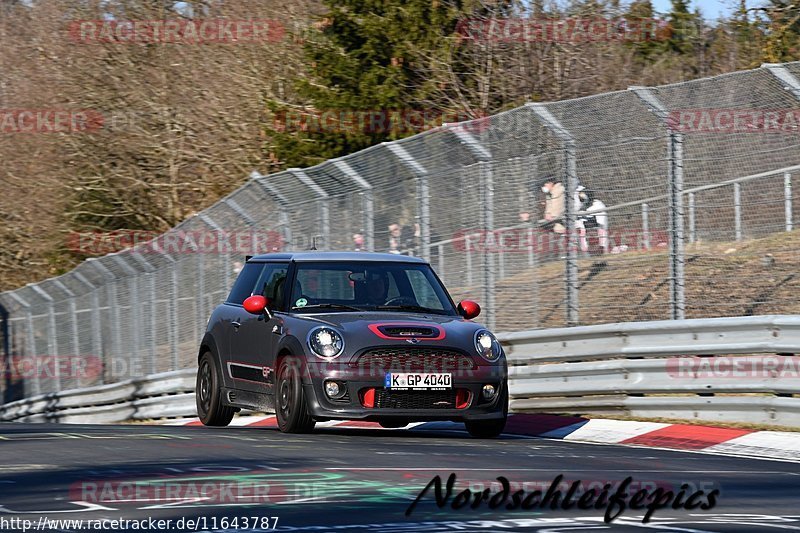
[359, 320]
[369, 328]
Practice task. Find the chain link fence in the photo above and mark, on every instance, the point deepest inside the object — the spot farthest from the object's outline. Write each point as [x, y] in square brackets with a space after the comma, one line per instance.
[696, 220]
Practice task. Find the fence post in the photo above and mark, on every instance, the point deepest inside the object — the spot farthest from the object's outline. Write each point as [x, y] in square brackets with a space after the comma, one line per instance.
[97, 343]
[52, 341]
[692, 231]
[134, 359]
[282, 202]
[645, 226]
[369, 203]
[73, 319]
[30, 340]
[737, 210]
[571, 183]
[792, 84]
[151, 286]
[440, 252]
[423, 195]
[115, 329]
[787, 200]
[677, 255]
[324, 205]
[486, 186]
[5, 332]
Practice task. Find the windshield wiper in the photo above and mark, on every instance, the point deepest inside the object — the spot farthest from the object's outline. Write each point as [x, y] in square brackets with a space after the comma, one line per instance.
[327, 306]
[408, 307]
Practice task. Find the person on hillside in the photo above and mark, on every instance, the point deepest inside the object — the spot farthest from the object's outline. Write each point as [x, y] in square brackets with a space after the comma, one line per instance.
[594, 218]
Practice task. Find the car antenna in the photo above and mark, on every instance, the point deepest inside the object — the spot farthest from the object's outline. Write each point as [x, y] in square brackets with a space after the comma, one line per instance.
[313, 243]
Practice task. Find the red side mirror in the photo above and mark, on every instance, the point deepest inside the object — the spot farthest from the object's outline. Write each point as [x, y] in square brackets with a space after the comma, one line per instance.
[255, 304]
[469, 309]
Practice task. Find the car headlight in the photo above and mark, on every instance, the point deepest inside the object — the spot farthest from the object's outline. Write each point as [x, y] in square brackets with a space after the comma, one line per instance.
[325, 342]
[488, 347]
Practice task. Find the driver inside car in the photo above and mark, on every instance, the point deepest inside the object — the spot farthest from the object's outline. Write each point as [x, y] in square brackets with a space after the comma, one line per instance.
[377, 288]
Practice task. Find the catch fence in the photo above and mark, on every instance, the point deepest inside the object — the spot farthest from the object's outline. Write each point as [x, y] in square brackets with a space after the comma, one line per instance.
[696, 179]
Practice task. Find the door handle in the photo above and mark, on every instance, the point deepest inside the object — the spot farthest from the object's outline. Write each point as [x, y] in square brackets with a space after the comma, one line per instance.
[236, 324]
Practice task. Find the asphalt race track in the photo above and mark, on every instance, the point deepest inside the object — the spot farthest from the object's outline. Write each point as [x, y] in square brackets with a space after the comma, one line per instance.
[355, 480]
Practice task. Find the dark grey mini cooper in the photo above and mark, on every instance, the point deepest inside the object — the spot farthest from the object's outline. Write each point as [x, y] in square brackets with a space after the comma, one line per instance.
[327, 336]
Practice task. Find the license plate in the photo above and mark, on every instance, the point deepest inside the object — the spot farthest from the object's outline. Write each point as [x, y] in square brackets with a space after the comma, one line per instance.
[415, 381]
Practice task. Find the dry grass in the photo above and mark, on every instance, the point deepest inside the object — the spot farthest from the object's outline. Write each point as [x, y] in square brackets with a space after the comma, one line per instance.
[753, 277]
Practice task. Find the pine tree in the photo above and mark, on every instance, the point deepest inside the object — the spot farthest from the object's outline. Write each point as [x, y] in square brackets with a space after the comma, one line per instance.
[365, 55]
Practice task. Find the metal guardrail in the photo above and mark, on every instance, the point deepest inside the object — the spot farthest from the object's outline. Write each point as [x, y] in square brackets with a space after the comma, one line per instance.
[635, 369]
[164, 395]
[646, 369]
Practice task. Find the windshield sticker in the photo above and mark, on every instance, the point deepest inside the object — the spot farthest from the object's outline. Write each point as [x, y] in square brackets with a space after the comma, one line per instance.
[301, 302]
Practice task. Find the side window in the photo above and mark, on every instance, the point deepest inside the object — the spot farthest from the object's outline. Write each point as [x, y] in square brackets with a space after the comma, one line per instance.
[271, 284]
[393, 291]
[243, 287]
[423, 291]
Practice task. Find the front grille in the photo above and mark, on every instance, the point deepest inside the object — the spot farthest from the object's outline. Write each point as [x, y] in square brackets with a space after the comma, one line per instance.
[414, 360]
[388, 399]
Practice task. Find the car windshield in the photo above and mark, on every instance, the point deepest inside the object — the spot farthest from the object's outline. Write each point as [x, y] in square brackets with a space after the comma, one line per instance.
[368, 286]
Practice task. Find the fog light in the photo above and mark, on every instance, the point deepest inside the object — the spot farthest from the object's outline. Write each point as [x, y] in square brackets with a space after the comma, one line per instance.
[332, 389]
[489, 392]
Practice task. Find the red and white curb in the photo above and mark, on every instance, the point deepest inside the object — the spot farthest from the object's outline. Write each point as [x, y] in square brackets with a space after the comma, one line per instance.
[708, 439]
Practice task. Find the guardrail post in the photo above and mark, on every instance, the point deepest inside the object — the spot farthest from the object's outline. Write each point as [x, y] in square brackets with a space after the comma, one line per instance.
[369, 203]
[737, 210]
[423, 195]
[323, 202]
[52, 340]
[675, 191]
[30, 339]
[570, 211]
[283, 205]
[787, 200]
[486, 188]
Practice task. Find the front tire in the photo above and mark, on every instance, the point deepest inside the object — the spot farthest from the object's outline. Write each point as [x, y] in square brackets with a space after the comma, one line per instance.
[291, 408]
[208, 394]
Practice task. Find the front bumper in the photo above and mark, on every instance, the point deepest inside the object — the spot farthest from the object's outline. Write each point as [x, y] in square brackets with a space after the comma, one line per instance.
[357, 383]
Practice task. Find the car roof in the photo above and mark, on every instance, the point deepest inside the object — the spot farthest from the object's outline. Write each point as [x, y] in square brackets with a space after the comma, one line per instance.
[337, 256]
